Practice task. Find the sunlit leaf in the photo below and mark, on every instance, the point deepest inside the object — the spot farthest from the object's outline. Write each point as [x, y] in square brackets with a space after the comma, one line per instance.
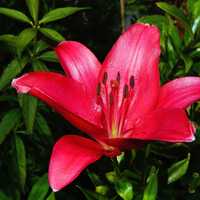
[178, 169]
[59, 13]
[39, 189]
[15, 14]
[52, 34]
[33, 6]
[151, 189]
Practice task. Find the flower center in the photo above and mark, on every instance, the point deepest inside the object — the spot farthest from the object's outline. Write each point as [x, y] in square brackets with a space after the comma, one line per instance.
[114, 101]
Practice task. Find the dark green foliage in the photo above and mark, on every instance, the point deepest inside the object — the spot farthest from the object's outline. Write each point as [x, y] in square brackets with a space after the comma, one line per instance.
[30, 29]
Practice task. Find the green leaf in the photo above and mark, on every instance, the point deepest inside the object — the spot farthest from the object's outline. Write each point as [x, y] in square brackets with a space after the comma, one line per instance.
[51, 196]
[11, 71]
[21, 161]
[39, 189]
[151, 189]
[42, 125]
[157, 20]
[52, 34]
[102, 189]
[124, 189]
[111, 176]
[40, 46]
[59, 13]
[49, 56]
[8, 123]
[29, 108]
[175, 12]
[24, 38]
[90, 195]
[8, 38]
[3, 196]
[178, 169]
[15, 14]
[39, 66]
[33, 6]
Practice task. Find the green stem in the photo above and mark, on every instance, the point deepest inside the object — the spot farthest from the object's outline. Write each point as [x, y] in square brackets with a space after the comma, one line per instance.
[122, 12]
[115, 166]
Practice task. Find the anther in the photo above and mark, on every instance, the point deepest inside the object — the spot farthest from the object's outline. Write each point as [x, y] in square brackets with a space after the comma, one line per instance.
[105, 78]
[132, 82]
[111, 99]
[125, 91]
[118, 77]
[98, 89]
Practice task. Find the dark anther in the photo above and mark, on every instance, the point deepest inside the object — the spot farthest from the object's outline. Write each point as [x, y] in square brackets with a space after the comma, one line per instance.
[125, 91]
[132, 82]
[118, 77]
[98, 89]
[111, 99]
[105, 78]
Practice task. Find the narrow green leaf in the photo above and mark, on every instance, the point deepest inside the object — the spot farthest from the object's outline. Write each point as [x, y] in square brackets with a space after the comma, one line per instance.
[11, 71]
[24, 38]
[40, 46]
[59, 13]
[29, 108]
[15, 14]
[157, 20]
[21, 161]
[49, 56]
[8, 38]
[39, 66]
[3, 196]
[33, 6]
[151, 189]
[176, 12]
[8, 123]
[52, 34]
[124, 189]
[178, 169]
[43, 125]
[51, 196]
[39, 189]
[90, 195]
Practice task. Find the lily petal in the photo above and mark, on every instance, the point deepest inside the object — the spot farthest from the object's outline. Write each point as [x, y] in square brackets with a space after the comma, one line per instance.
[136, 54]
[71, 155]
[66, 96]
[170, 125]
[179, 93]
[79, 63]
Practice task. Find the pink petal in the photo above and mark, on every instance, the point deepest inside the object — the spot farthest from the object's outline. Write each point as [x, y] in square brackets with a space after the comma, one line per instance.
[66, 96]
[171, 125]
[79, 63]
[180, 93]
[71, 155]
[136, 53]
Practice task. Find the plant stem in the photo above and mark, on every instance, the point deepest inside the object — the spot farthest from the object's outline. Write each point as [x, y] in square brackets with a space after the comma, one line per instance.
[115, 166]
[122, 12]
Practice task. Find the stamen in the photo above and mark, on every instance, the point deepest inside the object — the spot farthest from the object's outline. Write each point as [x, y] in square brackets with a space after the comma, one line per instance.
[98, 89]
[132, 82]
[125, 91]
[111, 99]
[118, 77]
[105, 78]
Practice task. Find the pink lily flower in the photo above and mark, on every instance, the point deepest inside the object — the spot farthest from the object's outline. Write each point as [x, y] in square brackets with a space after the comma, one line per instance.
[119, 103]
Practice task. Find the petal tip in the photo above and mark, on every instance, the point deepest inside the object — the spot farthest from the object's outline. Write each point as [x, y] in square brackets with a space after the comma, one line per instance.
[20, 88]
[55, 190]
